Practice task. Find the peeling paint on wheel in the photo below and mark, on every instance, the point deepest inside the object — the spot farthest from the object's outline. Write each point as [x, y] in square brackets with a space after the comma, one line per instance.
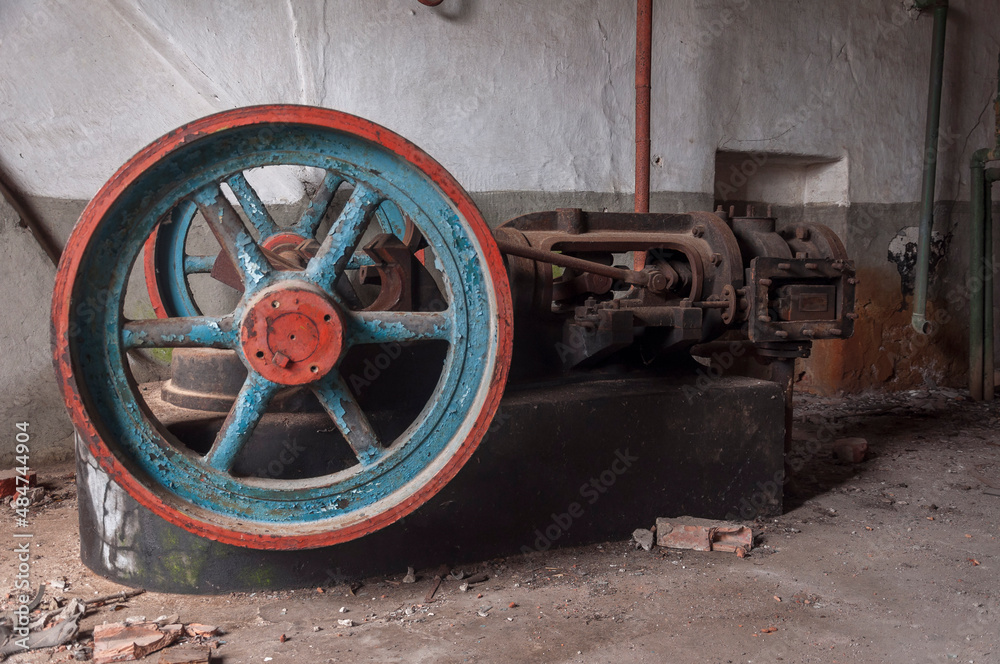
[89, 350]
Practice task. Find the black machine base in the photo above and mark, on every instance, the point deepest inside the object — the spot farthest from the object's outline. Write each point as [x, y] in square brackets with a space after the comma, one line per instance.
[565, 463]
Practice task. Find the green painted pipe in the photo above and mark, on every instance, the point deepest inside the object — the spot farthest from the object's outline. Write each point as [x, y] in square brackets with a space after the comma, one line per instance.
[919, 319]
[981, 275]
[980, 269]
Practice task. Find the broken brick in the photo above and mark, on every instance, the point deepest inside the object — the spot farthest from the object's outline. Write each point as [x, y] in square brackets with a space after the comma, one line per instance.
[9, 483]
[850, 450]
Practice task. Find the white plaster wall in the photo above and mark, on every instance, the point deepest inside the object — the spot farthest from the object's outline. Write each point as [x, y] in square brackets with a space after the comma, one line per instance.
[507, 94]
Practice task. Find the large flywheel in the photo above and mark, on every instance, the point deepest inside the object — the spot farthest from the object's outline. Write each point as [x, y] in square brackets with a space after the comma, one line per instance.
[301, 304]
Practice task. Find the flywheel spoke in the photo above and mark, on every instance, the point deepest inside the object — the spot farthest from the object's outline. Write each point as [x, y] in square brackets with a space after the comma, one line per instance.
[345, 412]
[241, 421]
[181, 332]
[360, 260]
[232, 235]
[344, 236]
[318, 205]
[198, 264]
[252, 205]
[376, 327]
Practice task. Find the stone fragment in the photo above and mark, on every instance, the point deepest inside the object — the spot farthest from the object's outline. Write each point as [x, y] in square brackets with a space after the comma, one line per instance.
[643, 537]
[850, 450]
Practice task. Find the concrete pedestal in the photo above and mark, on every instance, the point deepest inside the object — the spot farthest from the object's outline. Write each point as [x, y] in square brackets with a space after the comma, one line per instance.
[564, 463]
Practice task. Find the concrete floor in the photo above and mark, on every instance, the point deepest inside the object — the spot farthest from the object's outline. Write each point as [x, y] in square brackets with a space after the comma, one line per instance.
[890, 560]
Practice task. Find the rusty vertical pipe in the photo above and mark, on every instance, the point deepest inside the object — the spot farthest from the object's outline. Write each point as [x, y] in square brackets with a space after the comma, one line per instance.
[783, 373]
[643, 48]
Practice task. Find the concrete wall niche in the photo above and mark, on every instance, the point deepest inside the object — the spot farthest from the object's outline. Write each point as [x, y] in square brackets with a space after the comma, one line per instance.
[781, 179]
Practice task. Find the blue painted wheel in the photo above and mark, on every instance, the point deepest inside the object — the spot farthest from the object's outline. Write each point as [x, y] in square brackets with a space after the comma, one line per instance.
[290, 327]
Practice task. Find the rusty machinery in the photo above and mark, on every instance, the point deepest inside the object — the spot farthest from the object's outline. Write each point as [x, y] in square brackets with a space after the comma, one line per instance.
[705, 274]
[363, 339]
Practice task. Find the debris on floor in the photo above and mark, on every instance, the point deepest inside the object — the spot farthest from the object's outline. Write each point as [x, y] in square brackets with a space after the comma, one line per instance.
[21, 637]
[861, 574]
[471, 581]
[9, 481]
[135, 639]
[438, 578]
[185, 654]
[703, 535]
[481, 577]
[850, 450]
[118, 642]
[35, 496]
[643, 537]
[54, 622]
[199, 631]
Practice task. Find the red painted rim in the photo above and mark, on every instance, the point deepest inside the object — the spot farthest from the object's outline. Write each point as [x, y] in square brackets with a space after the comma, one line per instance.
[149, 273]
[240, 117]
